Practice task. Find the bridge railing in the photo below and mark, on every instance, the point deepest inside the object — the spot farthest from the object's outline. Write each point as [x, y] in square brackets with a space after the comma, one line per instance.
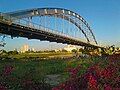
[5, 18]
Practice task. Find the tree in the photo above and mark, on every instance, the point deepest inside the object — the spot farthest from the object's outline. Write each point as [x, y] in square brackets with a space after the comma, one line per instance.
[63, 50]
[13, 52]
[74, 51]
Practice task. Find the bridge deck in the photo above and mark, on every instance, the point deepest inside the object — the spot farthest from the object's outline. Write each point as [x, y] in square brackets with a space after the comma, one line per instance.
[16, 30]
[19, 29]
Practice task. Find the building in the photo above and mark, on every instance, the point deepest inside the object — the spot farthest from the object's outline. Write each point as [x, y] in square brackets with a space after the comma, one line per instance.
[69, 48]
[33, 49]
[24, 48]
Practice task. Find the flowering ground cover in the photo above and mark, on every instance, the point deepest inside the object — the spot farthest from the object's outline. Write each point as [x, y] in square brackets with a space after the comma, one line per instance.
[91, 73]
[104, 75]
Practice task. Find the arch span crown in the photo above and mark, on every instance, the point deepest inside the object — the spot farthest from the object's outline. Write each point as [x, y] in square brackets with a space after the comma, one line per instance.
[65, 14]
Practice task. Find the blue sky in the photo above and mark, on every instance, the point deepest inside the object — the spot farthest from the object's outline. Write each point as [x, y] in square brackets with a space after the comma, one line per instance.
[102, 15]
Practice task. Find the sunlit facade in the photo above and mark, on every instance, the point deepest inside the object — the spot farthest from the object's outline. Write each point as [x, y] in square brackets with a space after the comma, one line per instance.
[24, 48]
[69, 48]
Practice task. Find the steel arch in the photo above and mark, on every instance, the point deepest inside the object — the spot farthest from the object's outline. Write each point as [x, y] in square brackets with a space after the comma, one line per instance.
[60, 13]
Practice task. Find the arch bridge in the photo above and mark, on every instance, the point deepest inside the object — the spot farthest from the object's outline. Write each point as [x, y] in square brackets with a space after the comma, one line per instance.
[51, 24]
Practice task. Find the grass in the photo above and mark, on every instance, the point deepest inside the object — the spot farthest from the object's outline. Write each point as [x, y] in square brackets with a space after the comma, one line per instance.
[41, 55]
[36, 70]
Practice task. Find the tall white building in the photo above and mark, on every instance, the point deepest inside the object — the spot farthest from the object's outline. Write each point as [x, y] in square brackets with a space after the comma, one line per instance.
[33, 49]
[24, 48]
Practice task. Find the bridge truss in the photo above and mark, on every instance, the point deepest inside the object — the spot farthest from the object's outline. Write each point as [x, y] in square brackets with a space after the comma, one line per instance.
[53, 24]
